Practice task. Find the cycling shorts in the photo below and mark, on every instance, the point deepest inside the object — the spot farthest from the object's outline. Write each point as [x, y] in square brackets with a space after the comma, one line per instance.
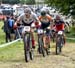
[44, 25]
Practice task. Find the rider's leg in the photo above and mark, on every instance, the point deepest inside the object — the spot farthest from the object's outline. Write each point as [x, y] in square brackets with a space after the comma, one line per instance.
[23, 34]
[33, 41]
[44, 40]
[48, 33]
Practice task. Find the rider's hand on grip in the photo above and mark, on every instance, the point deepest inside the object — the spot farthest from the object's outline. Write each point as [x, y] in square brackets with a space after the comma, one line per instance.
[15, 26]
[37, 24]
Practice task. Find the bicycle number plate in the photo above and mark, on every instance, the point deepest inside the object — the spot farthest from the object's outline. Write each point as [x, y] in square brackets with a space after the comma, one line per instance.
[27, 28]
[60, 32]
[40, 31]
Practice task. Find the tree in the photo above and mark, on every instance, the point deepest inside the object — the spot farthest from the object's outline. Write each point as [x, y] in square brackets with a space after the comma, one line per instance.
[30, 2]
[65, 6]
[22, 1]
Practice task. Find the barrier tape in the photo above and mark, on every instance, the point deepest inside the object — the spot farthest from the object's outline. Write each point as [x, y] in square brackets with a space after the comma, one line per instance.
[6, 44]
[71, 38]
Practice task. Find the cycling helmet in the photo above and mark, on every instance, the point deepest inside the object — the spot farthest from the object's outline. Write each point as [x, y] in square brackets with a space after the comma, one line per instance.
[43, 12]
[58, 17]
[46, 9]
[27, 10]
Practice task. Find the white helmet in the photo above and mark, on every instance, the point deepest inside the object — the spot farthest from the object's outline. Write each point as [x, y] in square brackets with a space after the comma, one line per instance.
[27, 10]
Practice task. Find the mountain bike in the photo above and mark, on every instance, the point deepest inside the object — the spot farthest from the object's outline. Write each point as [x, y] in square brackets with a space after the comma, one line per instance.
[42, 50]
[59, 42]
[28, 50]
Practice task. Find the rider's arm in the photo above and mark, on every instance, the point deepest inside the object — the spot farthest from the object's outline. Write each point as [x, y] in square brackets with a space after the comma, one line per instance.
[51, 22]
[36, 19]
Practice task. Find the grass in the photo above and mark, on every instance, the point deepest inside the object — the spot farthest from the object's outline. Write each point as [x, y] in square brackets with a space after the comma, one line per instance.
[70, 41]
[2, 34]
[72, 32]
[10, 51]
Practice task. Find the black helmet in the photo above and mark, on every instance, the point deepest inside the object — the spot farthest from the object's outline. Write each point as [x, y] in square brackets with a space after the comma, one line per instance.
[43, 12]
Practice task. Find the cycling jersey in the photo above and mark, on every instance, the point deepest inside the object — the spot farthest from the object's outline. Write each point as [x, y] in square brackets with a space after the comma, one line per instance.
[59, 25]
[28, 21]
[45, 21]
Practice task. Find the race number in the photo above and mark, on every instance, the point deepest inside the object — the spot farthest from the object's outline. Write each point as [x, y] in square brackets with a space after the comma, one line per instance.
[40, 31]
[27, 28]
[60, 32]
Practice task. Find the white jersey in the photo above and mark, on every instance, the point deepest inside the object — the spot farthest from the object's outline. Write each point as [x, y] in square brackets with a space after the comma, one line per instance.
[32, 18]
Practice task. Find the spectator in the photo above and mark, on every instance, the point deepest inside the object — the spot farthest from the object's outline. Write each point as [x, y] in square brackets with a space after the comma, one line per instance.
[7, 30]
[10, 26]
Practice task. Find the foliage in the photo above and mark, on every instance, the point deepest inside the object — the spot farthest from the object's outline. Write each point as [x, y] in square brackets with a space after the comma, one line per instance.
[30, 2]
[65, 6]
[22, 1]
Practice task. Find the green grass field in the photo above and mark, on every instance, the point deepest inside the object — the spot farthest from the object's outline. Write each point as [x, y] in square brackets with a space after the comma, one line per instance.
[2, 34]
[13, 56]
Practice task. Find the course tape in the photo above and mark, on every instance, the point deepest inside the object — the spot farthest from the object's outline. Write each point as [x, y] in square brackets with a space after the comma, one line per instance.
[6, 44]
[71, 38]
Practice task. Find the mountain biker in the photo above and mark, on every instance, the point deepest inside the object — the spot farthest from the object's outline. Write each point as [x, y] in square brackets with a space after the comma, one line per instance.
[59, 25]
[27, 18]
[45, 20]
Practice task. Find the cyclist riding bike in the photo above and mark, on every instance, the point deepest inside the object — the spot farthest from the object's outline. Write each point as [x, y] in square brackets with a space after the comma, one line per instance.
[45, 20]
[27, 18]
[59, 25]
